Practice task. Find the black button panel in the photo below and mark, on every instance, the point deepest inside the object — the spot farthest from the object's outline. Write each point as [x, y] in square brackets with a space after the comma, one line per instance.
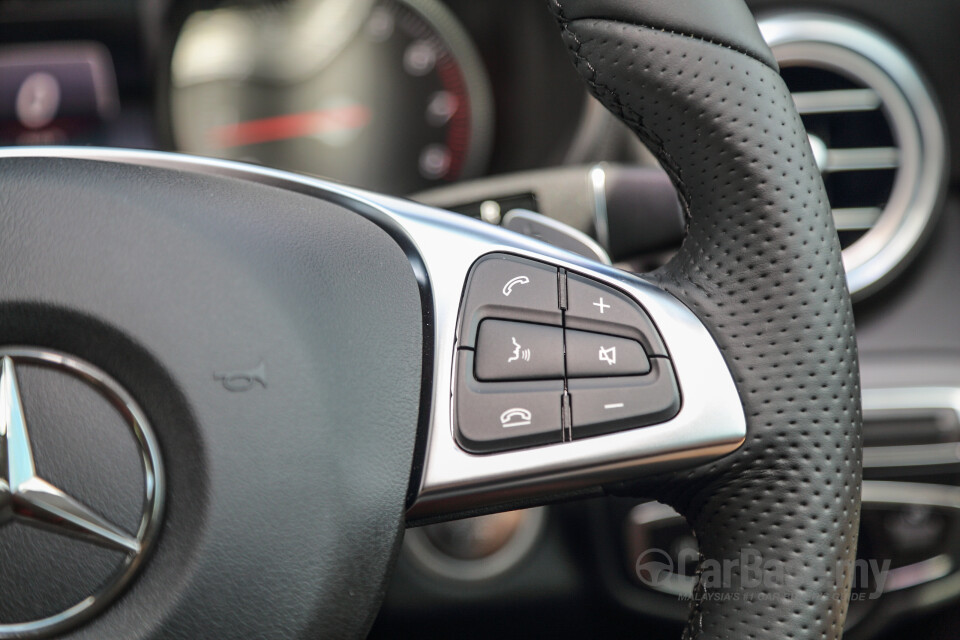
[594, 355]
[503, 286]
[545, 355]
[592, 306]
[497, 416]
[519, 351]
[599, 406]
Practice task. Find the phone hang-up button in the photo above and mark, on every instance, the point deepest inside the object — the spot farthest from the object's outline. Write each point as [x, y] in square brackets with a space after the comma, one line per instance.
[499, 416]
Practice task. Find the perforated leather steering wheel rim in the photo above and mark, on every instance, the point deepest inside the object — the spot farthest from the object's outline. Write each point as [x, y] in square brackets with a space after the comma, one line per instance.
[761, 267]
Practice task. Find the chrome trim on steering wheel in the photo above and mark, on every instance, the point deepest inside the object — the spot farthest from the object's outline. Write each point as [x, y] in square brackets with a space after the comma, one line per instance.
[442, 248]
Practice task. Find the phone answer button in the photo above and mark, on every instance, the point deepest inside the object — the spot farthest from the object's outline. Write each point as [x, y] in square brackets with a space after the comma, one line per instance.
[509, 288]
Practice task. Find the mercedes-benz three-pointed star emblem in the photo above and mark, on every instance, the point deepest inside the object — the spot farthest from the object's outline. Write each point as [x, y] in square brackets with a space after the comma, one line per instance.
[29, 499]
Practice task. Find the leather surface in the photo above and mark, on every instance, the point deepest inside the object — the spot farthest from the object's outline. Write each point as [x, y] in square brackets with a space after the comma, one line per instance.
[285, 501]
[761, 267]
[728, 23]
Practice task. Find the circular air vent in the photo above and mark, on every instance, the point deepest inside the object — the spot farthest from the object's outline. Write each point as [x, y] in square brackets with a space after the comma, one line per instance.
[876, 134]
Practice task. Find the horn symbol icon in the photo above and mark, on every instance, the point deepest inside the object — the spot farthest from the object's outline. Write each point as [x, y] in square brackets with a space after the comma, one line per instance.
[240, 381]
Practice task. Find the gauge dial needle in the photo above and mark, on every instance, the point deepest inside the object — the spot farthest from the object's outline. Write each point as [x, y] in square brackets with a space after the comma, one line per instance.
[292, 125]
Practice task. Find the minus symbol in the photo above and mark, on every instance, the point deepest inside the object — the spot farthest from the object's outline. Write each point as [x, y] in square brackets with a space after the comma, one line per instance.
[618, 405]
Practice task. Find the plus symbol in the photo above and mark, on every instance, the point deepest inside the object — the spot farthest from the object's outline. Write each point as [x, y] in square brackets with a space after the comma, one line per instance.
[602, 305]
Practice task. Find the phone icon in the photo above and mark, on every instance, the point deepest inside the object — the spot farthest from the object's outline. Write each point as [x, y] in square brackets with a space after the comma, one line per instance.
[515, 417]
[513, 282]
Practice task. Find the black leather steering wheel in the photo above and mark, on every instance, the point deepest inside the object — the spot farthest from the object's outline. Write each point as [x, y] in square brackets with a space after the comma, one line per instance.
[761, 267]
[296, 347]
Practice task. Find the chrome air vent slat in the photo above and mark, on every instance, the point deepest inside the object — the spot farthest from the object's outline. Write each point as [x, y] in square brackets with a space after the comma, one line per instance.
[876, 134]
[856, 218]
[862, 159]
[836, 101]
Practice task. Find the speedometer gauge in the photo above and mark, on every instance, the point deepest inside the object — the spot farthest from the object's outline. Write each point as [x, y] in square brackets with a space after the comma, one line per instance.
[385, 94]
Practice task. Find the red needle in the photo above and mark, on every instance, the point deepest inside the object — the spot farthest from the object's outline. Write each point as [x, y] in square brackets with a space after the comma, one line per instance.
[292, 125]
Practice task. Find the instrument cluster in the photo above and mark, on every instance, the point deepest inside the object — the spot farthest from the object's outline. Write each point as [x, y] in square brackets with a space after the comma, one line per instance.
[397, 96]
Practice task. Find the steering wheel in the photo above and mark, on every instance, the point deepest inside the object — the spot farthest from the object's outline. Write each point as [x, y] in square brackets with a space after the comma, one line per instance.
[299, 370]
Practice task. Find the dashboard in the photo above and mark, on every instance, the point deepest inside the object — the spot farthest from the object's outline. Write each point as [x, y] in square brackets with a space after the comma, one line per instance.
[475, 107]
